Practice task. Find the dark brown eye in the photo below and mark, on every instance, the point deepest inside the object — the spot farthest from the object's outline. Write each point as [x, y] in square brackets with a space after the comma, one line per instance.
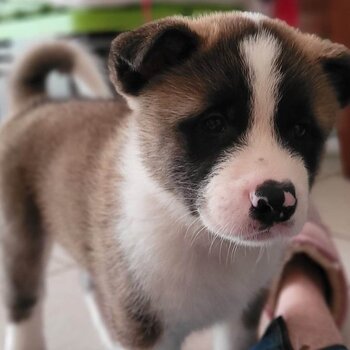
[299, 130]
[214, 123]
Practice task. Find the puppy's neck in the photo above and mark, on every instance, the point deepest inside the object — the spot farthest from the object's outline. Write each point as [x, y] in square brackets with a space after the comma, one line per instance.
[154, 216]
[142, 190]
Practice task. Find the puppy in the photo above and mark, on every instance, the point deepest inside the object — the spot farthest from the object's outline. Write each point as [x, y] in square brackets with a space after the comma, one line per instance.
[181, 202]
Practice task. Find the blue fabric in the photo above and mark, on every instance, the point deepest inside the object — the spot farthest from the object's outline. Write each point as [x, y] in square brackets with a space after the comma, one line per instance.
[276, 338]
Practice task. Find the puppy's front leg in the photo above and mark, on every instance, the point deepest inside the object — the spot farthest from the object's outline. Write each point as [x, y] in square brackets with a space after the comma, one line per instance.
[241, 333]
[168, 340]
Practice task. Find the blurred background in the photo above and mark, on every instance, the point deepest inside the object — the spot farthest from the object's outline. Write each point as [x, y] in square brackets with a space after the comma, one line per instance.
[94, 23]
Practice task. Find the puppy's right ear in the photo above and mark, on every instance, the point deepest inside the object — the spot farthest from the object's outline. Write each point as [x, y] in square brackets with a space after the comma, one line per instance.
[335, 61]
[138, 56]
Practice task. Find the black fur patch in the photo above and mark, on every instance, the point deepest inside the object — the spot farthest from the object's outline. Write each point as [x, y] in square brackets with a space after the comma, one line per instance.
[295, 121]
[138, 56]
[21, 308]
[338, 71]
[228, 96]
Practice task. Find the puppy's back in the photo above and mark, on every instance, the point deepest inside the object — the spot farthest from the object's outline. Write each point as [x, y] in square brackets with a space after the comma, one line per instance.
[57, 152]
[53, 151]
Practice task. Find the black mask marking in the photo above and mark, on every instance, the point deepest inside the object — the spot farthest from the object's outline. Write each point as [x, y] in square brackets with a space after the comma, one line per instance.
[206, 137]
[295, 121]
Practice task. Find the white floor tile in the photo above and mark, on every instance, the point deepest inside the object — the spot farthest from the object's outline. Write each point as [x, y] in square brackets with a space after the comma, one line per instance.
[332, 197]
[330, 166]
[343, 246]
[68, 324]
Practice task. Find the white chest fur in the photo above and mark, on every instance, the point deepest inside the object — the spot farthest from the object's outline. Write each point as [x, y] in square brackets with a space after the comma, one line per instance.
[192, 278]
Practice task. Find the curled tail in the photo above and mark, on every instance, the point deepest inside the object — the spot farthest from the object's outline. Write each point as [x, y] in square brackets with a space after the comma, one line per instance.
[27, 81]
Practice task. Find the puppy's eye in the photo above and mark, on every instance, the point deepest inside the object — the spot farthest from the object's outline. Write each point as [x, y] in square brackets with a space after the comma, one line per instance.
[299, 130]
[214, 123]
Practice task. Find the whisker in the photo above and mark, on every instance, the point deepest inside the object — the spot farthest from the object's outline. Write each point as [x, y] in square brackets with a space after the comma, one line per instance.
[212, 243]
[197, 235]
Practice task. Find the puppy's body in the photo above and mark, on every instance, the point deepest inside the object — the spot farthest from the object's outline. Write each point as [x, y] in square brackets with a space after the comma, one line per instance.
[71, 161]
[154, 207]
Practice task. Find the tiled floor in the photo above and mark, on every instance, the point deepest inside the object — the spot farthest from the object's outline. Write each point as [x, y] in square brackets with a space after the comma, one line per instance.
[68, 325]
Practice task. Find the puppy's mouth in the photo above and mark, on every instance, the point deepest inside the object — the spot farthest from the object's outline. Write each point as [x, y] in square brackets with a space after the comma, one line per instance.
[270, 233]
[251, 232]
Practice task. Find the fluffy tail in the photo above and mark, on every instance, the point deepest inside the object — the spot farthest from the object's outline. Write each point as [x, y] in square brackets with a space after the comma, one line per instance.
[27, 82]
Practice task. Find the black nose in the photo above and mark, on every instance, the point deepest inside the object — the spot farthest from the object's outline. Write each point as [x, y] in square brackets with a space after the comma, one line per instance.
[273, 202]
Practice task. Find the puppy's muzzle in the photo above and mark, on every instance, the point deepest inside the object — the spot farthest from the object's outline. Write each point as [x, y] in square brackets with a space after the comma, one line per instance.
[273, 202]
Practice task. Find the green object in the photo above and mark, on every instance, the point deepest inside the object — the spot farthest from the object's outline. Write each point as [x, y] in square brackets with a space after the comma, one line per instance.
[44, 21]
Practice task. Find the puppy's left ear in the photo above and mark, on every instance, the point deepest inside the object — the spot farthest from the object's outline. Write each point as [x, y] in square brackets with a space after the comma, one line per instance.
[139, 56]
[336, 64]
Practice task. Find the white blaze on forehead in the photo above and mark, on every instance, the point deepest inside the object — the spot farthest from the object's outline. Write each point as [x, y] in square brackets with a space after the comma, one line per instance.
[254, 16]
[260, 53]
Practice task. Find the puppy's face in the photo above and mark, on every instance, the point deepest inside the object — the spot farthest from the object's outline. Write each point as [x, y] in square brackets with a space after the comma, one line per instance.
[232, 112]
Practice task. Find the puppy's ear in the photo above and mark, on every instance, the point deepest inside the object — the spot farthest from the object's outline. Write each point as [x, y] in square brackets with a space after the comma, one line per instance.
[336, 64]
[138, 56]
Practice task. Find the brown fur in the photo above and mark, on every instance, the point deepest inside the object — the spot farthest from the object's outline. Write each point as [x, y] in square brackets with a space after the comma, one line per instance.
[58, 174]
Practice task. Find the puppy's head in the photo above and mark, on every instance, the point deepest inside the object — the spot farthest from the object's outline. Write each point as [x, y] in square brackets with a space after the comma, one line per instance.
[232, 112]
